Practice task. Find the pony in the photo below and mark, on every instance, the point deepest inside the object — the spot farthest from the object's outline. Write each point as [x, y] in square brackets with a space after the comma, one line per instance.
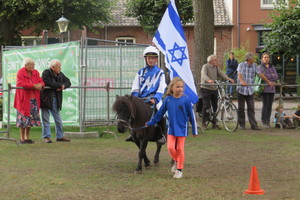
[133, 113]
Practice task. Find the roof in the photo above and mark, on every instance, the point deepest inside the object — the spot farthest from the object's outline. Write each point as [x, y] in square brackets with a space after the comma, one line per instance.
[220, 12]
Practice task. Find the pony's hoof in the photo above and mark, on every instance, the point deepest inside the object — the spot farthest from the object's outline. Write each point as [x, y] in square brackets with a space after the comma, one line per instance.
[147, 165]
[138, 172]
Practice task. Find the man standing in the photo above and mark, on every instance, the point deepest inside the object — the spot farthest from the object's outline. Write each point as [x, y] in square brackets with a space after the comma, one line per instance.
[246, 73]
[51, 100]
[209, 74]
[231, 67]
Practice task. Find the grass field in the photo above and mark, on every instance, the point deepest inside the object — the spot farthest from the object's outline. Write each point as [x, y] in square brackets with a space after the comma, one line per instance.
[217, 167]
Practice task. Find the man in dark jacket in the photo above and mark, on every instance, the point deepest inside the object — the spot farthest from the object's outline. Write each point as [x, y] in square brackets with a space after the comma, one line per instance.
[51, 100]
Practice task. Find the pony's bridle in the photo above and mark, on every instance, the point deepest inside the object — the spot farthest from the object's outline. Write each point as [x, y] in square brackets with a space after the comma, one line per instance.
[129, 122]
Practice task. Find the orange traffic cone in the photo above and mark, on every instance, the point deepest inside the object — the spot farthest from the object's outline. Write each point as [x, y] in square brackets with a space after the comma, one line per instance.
[254, 186]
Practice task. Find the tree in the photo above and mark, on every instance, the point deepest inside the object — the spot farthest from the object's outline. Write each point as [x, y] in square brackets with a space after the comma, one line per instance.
[285, 34]
[204, 34]
[150, 12]
[16, 15]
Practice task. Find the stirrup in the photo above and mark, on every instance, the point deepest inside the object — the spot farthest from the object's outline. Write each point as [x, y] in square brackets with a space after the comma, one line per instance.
[162, 140]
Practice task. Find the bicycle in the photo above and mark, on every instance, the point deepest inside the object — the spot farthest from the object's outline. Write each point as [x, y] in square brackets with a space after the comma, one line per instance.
[226, 109]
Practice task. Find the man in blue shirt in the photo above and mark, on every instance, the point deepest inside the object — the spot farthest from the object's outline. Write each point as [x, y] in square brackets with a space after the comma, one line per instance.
[150, 82]
[246, 73]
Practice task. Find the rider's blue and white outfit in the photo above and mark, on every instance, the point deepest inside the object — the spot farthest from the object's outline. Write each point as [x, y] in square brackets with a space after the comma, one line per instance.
[150, 83]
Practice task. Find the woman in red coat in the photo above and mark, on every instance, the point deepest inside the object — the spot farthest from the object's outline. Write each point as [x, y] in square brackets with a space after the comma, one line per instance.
[27, 100]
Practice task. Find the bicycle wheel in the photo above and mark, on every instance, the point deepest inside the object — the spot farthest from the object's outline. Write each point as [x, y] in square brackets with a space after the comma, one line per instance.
[229, 116]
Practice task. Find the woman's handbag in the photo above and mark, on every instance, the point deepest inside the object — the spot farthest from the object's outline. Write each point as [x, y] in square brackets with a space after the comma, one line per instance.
[258, 89]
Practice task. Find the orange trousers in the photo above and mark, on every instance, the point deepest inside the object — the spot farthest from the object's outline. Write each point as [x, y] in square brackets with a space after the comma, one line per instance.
[176, 149]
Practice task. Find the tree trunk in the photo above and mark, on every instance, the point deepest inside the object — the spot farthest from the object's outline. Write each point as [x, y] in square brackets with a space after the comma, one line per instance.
[7, 31]
[204, 35]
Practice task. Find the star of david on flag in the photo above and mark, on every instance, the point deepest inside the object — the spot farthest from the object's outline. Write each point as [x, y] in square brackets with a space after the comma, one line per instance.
[180, 55]
[170, 40]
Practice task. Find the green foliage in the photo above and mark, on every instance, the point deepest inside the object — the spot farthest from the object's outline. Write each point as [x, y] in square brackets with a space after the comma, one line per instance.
[149, 12]
[16, 15]
[284, 37]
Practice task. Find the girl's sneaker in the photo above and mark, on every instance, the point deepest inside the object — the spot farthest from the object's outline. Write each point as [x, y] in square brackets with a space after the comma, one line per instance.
[178, 174]
[174, 167]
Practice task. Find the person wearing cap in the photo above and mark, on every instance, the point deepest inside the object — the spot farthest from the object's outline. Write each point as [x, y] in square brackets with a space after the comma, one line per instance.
[150, 82]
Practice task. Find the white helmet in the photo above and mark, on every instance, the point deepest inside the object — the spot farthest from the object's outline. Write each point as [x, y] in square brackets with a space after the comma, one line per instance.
[151, 51]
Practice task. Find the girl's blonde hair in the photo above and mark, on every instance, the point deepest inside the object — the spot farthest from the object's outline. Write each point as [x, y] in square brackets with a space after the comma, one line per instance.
[172, 83]
[299, 106]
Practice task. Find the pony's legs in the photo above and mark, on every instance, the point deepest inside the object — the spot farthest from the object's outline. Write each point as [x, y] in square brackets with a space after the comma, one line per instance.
[142, 155]
[156, 156]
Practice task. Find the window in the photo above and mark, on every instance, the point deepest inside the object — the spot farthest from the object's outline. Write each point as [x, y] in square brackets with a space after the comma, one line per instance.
[268, 4]
[127, 40]
[31, 40]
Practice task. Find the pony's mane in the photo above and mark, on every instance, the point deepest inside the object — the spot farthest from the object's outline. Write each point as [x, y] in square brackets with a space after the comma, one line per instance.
[136, 106]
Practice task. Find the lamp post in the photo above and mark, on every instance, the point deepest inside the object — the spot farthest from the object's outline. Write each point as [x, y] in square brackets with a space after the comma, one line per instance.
[63, 26]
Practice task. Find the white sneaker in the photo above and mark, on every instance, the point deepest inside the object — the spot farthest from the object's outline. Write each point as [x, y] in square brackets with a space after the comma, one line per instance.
[174, 167]
[178, 174]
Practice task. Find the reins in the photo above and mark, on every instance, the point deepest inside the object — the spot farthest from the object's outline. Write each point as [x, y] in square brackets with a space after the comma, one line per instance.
[128, 125]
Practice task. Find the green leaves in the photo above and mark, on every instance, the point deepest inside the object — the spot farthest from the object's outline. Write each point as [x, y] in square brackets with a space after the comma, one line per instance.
[285, 34]
[41, 14]
[149, 12]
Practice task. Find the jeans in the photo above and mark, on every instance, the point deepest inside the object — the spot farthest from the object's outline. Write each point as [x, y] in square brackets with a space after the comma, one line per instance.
[231, 88]
[249, 99]
[46, 121]
[267, 107]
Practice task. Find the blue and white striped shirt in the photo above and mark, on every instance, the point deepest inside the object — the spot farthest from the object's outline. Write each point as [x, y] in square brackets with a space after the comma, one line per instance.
[149, 82]
[248, 72]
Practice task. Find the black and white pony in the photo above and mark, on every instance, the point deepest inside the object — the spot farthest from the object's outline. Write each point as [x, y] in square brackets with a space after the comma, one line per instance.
[133, 113]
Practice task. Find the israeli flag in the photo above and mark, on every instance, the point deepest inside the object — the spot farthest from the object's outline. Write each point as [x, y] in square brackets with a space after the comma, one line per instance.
[170, 40]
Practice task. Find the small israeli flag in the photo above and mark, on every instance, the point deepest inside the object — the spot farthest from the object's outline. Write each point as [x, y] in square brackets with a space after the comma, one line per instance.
[170, 40]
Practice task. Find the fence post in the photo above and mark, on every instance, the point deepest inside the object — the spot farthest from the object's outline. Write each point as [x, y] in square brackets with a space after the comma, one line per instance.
[8, 119]
[108, 113]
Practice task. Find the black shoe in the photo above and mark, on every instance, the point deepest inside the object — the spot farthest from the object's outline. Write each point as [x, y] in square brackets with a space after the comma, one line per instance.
[216, 126]
[29, 141]
[129, 139]
[47, 140]
[22, 142]
[63, 139]
[255, 129]
[242, 127]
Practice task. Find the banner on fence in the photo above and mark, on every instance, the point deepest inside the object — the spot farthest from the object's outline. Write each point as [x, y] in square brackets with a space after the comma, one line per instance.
[67, 53]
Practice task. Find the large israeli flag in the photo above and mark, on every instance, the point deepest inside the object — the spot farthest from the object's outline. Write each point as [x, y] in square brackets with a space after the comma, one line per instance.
[170, 40]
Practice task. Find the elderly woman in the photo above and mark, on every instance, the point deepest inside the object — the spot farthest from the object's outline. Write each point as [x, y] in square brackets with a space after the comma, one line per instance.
[269, 75]
[27, 100]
